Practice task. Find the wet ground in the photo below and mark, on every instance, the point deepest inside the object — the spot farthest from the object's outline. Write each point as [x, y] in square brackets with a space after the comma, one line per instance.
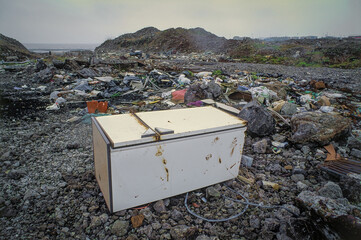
[48, 189]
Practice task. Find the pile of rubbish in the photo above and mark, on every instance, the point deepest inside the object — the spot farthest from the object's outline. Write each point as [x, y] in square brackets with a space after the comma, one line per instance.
[282, 113]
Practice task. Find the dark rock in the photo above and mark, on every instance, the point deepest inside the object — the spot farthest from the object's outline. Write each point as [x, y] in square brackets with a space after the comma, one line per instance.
[301, 186]
[198, 92]
[279, 138]
[40, 65]
[44, 76]
[159, 206]
[260, 122]
[73, 145]
[318, 127]
[271, 224]
[6, 155]
[356, 153]
[16, 174]
[212, 192]
[351, 189]
[331, 190]
[203, 237]
[352, 142]
[58, 64]
[214, 89]
[30, 193]
[87, 72]
[297, 177]
[176, 215]
[71, 65]
[260, 146]
[147, 230]
[8, 212]
[306, 150]
[182, 232]
[119, 228]
[254, 222]
[331, 216]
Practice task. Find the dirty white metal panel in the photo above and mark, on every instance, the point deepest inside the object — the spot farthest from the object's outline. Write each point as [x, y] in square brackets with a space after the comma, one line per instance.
[191, 121]
[153, 171]
[101, 158]
[123, 130]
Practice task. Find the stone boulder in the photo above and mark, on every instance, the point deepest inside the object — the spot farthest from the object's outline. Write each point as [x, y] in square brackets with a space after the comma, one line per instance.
[260, 122]
[332, 217]
[318, 127]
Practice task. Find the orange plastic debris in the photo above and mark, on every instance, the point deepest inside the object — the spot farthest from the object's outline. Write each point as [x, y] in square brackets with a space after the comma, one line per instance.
[92, 106]
[102, 107]
[332, 155]
[195, 205]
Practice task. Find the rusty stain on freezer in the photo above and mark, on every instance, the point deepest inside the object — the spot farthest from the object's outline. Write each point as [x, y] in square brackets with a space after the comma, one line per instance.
[232, 151]
[233, 145]
[220, 160]
[232, 166]
[208, 156]
[159, 151]
[167, 171]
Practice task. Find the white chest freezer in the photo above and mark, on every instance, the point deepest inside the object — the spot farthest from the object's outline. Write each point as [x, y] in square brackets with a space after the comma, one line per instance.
[148, 156]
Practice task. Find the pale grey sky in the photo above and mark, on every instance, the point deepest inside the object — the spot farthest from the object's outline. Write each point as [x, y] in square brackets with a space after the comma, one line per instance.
[93, 21]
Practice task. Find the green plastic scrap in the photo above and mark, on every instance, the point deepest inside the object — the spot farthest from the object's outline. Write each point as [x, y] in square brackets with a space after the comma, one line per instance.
[115, 95]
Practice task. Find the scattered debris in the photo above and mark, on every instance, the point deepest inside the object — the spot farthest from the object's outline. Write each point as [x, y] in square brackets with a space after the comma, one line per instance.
[302, 133]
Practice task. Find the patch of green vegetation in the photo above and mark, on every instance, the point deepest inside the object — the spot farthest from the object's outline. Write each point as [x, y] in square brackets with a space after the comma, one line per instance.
[356, 63]
[285, 47]
[276, 47]
[259, 45]
[190, 73]
[302, 63]
[217, 73]
[278, 60]
[254, 76]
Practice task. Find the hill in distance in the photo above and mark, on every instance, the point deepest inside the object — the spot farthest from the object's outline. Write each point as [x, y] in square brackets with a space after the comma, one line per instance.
[173, 39]
[12, 47]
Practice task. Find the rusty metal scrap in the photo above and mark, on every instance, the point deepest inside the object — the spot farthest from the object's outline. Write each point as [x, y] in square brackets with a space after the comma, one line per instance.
[342, 166]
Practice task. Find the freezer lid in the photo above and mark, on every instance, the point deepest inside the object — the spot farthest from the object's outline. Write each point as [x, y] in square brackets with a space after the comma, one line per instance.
[190, 121]
[125, 130]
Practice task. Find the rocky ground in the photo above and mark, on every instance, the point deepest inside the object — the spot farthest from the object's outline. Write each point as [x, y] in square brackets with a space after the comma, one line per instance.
[48, 188]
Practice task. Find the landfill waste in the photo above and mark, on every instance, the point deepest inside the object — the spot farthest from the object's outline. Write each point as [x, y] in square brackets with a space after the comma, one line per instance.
[178, 96]
[301, 135]
[206, 90]
[52, 107]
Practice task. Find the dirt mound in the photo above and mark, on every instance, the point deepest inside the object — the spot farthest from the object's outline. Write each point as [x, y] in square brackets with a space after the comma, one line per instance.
[12, 47]
[173, 39]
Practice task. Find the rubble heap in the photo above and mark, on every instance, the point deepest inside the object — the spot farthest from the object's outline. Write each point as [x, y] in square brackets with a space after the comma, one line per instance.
[300, 166]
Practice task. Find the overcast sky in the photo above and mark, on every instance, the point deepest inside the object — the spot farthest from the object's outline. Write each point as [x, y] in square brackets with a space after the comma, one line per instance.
[93, 21]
